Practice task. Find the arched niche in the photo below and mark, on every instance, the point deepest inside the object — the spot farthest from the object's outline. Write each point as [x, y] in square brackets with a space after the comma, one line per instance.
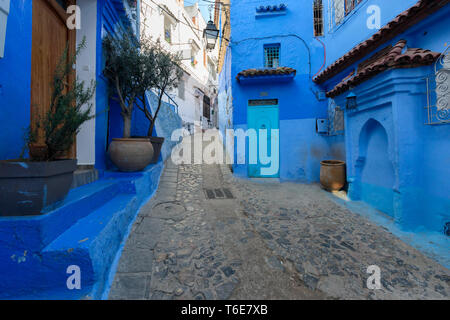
[374, 169]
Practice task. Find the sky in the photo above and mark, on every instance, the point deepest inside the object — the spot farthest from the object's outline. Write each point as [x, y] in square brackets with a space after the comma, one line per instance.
[203, 6]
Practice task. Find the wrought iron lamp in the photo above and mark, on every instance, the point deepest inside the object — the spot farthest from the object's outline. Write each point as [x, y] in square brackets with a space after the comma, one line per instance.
[351, 101]
[210, 34]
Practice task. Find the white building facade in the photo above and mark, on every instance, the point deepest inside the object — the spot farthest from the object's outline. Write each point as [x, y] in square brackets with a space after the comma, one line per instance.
[180, 30]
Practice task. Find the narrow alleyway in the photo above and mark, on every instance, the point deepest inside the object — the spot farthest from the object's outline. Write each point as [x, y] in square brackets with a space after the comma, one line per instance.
[262, 241]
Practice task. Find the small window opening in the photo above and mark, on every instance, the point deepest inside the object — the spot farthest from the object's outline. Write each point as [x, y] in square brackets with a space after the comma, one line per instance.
[272, 56]
[167, 30]
[318, 18]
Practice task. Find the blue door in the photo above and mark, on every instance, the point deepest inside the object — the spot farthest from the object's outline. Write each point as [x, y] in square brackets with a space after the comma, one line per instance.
[263, 152]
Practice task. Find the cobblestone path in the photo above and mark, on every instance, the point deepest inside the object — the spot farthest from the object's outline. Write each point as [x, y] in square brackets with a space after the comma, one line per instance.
[270, 241]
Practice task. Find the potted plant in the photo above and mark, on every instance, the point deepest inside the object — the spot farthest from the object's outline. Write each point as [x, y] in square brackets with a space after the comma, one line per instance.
[29, 185]
[130, 72]
[166, 77]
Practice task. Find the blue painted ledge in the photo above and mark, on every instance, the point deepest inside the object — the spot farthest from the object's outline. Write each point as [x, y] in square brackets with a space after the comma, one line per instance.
[88, 229]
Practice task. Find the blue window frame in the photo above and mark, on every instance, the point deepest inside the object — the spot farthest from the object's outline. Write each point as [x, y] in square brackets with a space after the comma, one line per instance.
[272, 55]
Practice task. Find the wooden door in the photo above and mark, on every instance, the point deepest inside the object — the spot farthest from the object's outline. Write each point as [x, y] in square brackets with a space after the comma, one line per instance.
[49, 39]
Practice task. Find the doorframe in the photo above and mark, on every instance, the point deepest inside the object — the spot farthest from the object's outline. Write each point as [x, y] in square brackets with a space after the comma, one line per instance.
[277, 106]
[86, 70]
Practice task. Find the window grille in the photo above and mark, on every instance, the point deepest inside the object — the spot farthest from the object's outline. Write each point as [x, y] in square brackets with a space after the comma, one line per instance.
[349, 5]
[272, 56]
[318, 18]
[438, 92]
[263, 102]
[338, 9]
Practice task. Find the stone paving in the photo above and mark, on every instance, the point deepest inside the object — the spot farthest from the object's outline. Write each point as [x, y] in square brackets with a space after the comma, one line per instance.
[271, 241]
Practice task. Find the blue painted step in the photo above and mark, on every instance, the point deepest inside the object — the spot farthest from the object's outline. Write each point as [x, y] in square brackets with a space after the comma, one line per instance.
[91, 244]
[34, 233]
[85, 230]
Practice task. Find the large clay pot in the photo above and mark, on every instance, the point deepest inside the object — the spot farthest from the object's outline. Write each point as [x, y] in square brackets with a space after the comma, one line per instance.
[131, 154]
[26, 188]
[157, 143]
[332, 175]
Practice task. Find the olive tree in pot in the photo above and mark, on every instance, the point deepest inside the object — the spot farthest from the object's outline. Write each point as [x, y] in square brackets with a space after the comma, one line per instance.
[166, 77]
[129, 69]
[29, 185]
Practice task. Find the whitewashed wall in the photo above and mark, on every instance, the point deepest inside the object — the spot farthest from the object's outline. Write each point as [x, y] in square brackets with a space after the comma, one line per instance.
[197, 78]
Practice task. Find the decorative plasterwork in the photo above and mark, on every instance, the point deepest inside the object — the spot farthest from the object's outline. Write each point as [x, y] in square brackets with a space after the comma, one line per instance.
[270, 11]
[443, 88]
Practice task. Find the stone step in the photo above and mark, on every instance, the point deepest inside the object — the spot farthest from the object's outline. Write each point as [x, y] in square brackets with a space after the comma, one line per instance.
[82, 177]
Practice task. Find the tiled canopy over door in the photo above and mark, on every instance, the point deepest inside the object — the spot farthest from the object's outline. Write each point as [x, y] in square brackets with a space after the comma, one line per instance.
[50, 38]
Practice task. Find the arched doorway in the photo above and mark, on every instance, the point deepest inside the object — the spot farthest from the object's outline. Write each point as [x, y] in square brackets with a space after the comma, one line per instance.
[376, 173]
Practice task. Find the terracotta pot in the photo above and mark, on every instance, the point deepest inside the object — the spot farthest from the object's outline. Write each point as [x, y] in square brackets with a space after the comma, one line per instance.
[131, 154]
[332, 175]
[157, 143]
[26, 188]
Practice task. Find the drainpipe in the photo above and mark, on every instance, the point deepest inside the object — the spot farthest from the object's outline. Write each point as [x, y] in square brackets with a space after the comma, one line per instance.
[4, 11]
[138, 19]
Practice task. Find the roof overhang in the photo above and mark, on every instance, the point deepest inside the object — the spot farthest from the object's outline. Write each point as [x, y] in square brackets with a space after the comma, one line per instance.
[405, 20]
[275, 75]
[395, 57]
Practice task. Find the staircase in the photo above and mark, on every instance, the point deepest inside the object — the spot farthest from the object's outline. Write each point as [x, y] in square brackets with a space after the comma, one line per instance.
[87, 230]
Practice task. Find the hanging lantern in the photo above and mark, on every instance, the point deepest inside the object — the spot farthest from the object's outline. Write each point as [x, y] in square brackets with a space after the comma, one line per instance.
[351, 101]
[210, 34]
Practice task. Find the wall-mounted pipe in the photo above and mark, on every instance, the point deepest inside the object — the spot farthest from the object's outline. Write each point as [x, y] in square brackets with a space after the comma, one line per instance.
[4, 11]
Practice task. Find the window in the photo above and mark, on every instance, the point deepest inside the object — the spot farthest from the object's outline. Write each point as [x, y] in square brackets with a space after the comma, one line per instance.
[167, 30]
[339, 11]
[350, 5]
[342, 8]
[206, 106]
[263, 102]
[272, 56]
[318, 18]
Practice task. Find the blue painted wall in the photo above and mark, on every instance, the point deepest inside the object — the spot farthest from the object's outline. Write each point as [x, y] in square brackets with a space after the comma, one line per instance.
[15, 80]
[395, 162]
[109, 21]
[109, 122]
[431, 33]
[301, 148]
[353, 29]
